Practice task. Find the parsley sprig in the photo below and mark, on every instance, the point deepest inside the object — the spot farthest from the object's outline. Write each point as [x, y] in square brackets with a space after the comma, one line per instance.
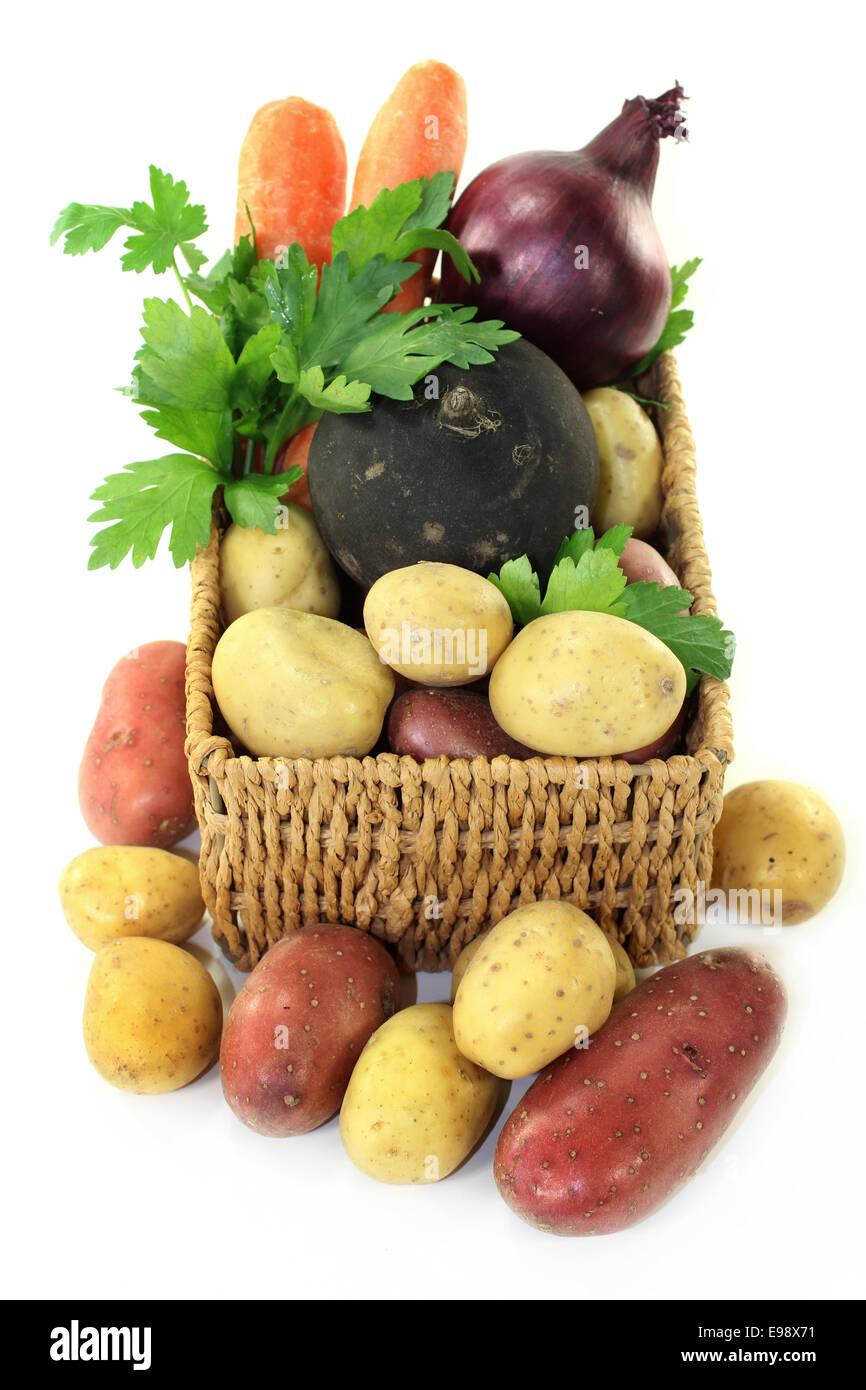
[269, 347]
[587, 575]
[679, 321]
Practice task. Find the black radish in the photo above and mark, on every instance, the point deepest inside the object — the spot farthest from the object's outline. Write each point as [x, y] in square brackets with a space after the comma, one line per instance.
[481, 466]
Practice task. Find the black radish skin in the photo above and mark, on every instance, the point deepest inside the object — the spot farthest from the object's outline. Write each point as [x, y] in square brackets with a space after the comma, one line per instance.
[480, 467]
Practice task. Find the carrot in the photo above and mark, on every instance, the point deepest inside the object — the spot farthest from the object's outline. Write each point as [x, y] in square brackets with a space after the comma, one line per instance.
[420, 130]
[292, 176]
[296, 452]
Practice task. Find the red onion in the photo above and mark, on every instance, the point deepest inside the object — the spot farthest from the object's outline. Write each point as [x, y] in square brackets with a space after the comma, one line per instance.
[567, 248]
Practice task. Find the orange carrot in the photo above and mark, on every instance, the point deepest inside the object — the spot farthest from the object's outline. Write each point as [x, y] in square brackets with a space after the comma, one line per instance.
[292, 176]
[296, 452]
[420, 130]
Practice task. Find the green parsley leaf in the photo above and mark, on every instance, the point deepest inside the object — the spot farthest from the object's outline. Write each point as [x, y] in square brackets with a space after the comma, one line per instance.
[245, 254]
[582, 540]
[88, 227]
[176, 490]
[169, 223]
[285, 363]
[254, 500]
[186, 356]
[576, 545]
[254, 367]
[679, 321]
[249, 308]
[394, 353]
[586, 575]
[232, 269]
[436, 195]
[438, 241]
[368, 232]
[614, 539]
[290, 294]
[400, 222]
[594, 584]
[518, 584]
[680, 275]
[204, 432]
[698, 640]
[344, 307]
[342, 397]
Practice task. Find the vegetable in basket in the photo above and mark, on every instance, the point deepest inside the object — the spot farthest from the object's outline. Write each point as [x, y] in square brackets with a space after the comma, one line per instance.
[568, 250]
[420, 130]
[291, 179]
[588, 575]
[476, 467]
[601, 665]
[270, 348]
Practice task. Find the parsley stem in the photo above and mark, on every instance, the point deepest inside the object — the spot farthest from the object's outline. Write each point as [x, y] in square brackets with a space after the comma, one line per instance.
[180, 281]
[296, 413]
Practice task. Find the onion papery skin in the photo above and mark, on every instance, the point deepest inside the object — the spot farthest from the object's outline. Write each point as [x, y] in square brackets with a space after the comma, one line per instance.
[567, 248]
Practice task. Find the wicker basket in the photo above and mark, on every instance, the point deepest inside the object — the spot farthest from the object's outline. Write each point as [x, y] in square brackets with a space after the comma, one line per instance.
[426, 855]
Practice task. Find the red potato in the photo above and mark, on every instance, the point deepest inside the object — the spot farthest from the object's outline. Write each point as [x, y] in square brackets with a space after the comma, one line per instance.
[294, 1032]
[663, 747]
[133, 785]
[641, 561]
[455, 723]
[608, 1133]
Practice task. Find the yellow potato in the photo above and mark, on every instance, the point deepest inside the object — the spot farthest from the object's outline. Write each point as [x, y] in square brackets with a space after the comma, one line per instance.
[462, 962]
[777, 838]
[152, 1016]
[586, 685]
[214, 966]
[630, 463]
[625, 980]
[290, 569]
[437, 624]
[415, 1108]
[129, 890]
[297, 685]
[542, 982]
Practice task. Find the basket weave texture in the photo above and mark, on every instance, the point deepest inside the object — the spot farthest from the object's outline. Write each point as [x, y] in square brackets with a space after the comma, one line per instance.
[427, 855]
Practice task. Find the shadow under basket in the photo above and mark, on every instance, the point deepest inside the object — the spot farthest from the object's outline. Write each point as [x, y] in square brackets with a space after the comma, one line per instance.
[427, 855]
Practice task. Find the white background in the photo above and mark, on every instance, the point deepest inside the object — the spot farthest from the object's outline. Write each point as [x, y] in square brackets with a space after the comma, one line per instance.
[107, 1194]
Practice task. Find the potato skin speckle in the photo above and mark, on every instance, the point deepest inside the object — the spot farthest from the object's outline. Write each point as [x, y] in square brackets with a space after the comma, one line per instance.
[416, 1107]
[543, 977]
[289, 569]
[152, 1015]
[298, 1026]
[114, 891]
[560, 1162]
[133, 783]
[584, 685]
[777, 836]
[297, 685]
